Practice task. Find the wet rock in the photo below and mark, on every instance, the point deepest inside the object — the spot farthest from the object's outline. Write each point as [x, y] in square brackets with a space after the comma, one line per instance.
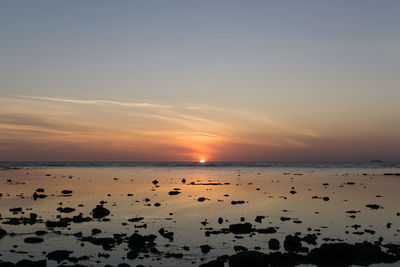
[168, 235]
[106, 242]
[268, 230]
[205, 248]
[100, 212]
[58, 255]
[368, 231]
[274, 244]
[183, 180]
[237, 202]
[65, 210]
[201, 199]
[53, 224]
[66, 192]
[173, 193]
[292, 192]
[248, 258]
[373, 206]
[157, 204]
[15, 210]
[132, 255]
[214, 263]
[40, 232]
[239, 248]
[325, 198]
[292, 243]
[80, 219]
[36, 196]
[33, 240]
[3, 233]
[136, 219]
[310, 239]
[155, 182]
[220, 220]
[96, 231]
[173, 255]
[241, 228]
[259, 219]
[342, 254]
[136, 241]
[287, 259]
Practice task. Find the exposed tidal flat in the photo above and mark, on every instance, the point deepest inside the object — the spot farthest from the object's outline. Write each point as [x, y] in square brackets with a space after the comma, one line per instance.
[192, 215]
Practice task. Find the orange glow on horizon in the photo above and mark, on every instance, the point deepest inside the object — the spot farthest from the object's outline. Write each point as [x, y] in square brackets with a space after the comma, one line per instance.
[202, 161]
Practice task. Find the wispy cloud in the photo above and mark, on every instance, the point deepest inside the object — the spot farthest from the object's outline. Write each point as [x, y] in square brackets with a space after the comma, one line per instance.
[96, 102]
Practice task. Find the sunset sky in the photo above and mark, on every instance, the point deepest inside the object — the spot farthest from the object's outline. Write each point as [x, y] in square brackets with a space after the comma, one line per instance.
[185, 80]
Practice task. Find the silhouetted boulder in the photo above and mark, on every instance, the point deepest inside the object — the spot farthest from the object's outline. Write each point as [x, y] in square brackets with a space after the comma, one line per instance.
[100, 212]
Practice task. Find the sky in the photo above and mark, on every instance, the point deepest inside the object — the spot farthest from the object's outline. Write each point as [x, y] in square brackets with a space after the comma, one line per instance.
[185, 80]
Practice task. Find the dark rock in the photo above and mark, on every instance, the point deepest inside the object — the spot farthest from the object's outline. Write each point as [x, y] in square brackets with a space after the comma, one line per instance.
[40, 232]
[233, 202]
[241, 228]
[65, 210]
[136, 219]
[310, 239]
[269, 230]
[137, 241]
[248, 258]
[132, 255]
[33, 240]
[173, 255]
[58, 255]
[3, 233]
[100, 212]
[96, 231]
[66, 192]
[168, 235]
[79, 219]
[259, 219]
[36, 196]
[205, 248]
[373, 206]
[239, 248]
[292, 243]
[106, 242]
[201, 199]
[273, 244]
[372, 232]
[173, 193]
[342, 254]
[15, 210]
[214, 263]
[53, 224]
[220, 220]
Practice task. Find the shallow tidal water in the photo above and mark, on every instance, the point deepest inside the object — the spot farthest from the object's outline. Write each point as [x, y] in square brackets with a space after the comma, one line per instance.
[306, 200]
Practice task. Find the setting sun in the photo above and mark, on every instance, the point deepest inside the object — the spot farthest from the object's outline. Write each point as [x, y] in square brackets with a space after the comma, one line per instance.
[202, 161]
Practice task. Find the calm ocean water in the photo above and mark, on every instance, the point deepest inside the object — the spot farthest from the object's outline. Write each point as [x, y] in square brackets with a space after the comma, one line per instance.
[367, 165]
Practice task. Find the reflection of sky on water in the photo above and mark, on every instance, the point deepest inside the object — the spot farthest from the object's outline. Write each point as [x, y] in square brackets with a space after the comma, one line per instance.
[91, 185]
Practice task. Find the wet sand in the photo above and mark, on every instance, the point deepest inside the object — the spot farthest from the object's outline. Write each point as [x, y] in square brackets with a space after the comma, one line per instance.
[189, 216]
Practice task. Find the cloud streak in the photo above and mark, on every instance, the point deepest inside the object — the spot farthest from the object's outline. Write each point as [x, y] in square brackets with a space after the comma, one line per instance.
[97, 102]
